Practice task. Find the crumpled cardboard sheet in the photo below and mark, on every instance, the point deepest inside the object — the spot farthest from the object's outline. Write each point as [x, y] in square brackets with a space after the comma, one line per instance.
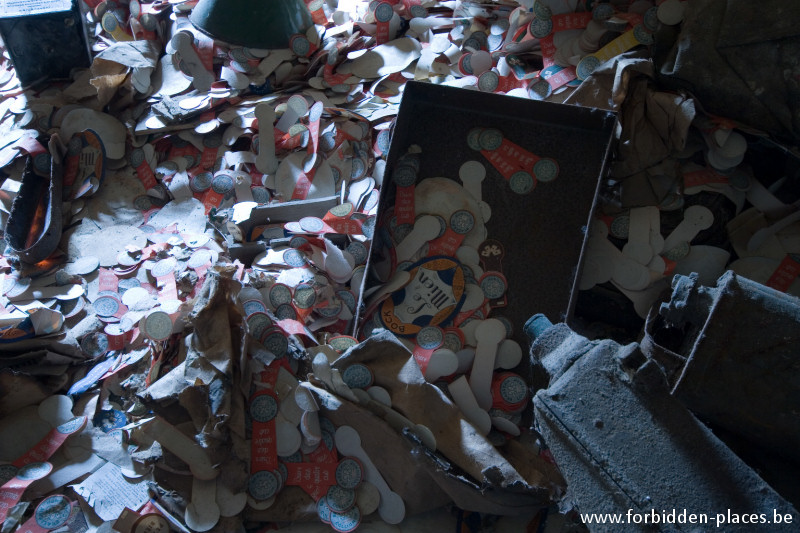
[654, 123]
[204, 395]
[495, 480]
[111, 68]
[741, 60]
[205, 389]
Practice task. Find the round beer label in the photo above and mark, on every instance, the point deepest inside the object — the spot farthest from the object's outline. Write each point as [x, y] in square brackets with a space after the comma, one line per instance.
[433, 295]
[262, 485]
[263, 408]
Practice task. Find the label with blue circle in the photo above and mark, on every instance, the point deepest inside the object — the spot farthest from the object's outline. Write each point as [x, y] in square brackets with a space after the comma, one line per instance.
[650, 19]
[513, 389]
[280, 294]
[106, 306]
[358, 168]
[357, 376]
[462, 221]
[294, 258]
[488, 81]
[473, 138]
[404, 176]
[285, 311]
[201, 182]
[620, 226]
[300, 45]
[349, 473]
[342, 343]
[542, 10]
[540, 90]
[222, 183]
[275, 342]
[262, 485]
[323, 511]
[348, 298]
[53, 512]
[257, 324]
[137, 157]
[417, 11]
[521, 182]
[586, 66]
[304, 296]
[340, 499]
[347, 521]
[33, 471]
[490, 139]
[72, 426]
[260, 195]
[384, 12]
[601, 12]
[545, 170]
[540, 27]
[643, 36]
[312, 224]
[263, 407]
[493, 286]
[430, 338]
[253, 306]
[358, 250]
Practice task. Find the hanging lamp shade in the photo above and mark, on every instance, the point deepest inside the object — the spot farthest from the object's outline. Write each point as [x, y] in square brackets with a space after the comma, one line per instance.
[252, 23]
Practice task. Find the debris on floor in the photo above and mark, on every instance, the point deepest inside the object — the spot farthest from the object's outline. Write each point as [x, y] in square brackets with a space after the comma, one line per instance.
[212, 250]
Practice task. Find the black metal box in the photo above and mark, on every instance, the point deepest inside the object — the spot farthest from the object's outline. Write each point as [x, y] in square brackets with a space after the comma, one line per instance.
[45, 38]
[536, 230]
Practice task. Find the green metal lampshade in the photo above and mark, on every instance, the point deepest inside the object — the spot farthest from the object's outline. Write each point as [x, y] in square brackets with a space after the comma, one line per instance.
[252, 23]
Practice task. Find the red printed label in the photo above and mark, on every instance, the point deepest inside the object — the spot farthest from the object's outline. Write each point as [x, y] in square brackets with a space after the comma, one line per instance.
[571, 21]
[71, 169]
[345, 226]
[107, 280]
[703, 177]
[548, 51]
[205, 51]
[323, 454]
[313, 478]
[182, 151]
[209, 157]
[303, 185]
[333, 79]
[785, 274]
[383, 17]
[292, 327]
[514, 153]
[211, 199]
[422, 356]
[505, 167]
[11, 491]
[509, 83]
[30, 145]
[263, 448]
[168, 288]
[51, 442]
[447, 244]
[562, 77]
[404, 205]
[145, 175]
[317, 13]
